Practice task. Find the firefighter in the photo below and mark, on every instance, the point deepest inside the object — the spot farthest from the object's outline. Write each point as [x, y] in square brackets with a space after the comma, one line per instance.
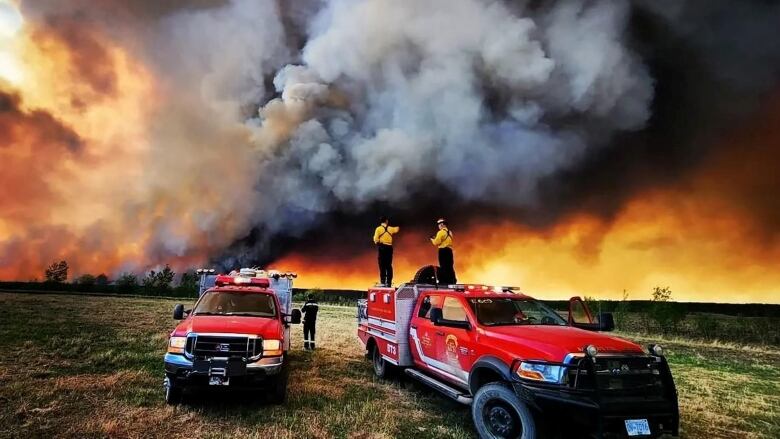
[383, 238]
[443, 241]
[309, 312]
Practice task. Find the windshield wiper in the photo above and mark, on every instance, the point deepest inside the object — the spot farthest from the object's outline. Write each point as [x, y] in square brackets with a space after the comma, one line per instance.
[209, 313]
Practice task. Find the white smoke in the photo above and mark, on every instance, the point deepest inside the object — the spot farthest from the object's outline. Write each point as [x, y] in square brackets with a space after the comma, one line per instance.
[391, 95]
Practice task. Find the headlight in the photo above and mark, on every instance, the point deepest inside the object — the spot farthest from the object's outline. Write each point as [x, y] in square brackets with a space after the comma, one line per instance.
[541, 372]
[176, 345]
[272, 348]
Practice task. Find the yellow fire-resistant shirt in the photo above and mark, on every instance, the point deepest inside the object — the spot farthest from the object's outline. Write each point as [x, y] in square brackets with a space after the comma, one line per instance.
[384, 235]
[443, 238]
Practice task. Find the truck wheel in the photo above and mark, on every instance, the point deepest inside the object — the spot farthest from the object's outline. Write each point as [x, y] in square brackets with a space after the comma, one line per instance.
[499, 414]
[381, 367]
[173, 393]
[278, 393]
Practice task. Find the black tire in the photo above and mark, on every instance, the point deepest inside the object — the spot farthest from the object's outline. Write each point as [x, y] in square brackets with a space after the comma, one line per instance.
[382, 368]
[278, 394]
[173, 393]
[499, 414]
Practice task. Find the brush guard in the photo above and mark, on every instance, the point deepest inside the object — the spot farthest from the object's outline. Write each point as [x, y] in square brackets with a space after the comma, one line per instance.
[596, 396]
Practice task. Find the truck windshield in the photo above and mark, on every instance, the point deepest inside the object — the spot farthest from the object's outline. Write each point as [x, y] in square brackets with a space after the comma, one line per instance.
[236, 304]
[505, 311]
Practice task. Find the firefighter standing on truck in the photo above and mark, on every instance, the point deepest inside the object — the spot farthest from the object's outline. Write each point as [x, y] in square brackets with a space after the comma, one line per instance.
[309, 311]
[383, 238]
[443, 241]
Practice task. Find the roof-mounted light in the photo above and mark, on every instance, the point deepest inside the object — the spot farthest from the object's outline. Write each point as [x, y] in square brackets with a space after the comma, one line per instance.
[260, 282]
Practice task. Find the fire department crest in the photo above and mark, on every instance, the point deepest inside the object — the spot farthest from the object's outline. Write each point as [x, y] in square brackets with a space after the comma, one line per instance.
[452, 345]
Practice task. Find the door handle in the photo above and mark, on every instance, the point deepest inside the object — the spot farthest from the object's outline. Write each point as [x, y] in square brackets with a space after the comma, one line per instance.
[439, 333]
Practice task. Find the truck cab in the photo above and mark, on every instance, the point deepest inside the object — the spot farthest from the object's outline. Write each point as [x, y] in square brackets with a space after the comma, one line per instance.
[522, 366]
[237, 335]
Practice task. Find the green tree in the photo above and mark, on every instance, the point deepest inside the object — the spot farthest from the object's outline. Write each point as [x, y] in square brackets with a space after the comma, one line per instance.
[189, 282]
[127, 281]
[86, 279]
[57, 272]
[664, 312]
[158, 281]
[101, 279]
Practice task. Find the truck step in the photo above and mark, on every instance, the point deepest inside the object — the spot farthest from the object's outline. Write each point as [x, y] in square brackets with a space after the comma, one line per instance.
[444, 388]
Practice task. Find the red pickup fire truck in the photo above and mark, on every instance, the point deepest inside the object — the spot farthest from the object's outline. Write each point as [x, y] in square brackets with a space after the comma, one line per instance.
[525, 370]
[236, 335]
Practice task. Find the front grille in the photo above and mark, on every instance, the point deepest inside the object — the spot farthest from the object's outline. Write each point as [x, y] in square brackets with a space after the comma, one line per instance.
[629, 375]
[209, 346]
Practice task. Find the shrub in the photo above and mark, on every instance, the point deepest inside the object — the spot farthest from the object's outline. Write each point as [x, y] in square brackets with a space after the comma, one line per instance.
[101, 280]
[85, 279]
[664, 312]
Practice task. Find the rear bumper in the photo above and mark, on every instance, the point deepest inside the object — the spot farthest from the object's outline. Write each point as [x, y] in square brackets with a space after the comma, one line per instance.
[186, 372]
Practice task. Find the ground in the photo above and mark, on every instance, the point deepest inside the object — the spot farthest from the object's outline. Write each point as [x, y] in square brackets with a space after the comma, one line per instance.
[80, 366]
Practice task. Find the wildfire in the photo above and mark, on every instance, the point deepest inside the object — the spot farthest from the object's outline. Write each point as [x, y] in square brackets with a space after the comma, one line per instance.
[707, 238]
[124, 151]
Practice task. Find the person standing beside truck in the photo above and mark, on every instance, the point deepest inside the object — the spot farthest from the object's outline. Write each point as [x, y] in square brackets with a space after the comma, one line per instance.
[443, 241]
[309, 311]
[383, 238]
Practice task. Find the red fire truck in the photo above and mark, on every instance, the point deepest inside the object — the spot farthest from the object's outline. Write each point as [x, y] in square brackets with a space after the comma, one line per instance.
[236, 335]
[525, 370]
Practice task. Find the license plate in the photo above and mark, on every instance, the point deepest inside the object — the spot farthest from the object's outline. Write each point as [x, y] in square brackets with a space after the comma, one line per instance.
[637, 427]
[218, 381]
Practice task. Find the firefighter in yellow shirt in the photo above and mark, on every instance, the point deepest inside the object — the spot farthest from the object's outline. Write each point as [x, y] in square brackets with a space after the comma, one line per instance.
[383, 238]
[443, 241]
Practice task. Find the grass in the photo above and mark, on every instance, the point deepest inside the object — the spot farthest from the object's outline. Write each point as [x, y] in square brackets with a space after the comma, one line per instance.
[79, 366]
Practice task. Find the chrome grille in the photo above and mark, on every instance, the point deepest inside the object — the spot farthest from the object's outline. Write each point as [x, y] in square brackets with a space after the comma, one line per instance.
[230, 346]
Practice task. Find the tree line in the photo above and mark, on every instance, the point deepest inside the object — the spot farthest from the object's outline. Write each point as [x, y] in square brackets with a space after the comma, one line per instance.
[158, 282]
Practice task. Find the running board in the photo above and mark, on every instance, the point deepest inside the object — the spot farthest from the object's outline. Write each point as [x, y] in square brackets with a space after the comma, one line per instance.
[453, 393]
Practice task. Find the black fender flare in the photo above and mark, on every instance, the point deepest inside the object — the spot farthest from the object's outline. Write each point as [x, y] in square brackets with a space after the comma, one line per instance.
[494, 364]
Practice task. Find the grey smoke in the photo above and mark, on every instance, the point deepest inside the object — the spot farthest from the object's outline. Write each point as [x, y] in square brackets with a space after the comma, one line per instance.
[289, 110]
[391, 95]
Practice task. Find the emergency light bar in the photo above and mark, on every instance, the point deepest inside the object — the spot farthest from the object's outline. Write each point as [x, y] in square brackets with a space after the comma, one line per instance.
[223, 280]
[463, 287]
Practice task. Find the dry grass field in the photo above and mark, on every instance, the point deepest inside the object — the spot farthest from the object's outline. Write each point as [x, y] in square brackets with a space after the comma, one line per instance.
[78, 366]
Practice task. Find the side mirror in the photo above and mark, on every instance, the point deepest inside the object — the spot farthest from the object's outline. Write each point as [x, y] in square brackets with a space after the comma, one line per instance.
[438, 320]
[436, 315]
[606, 321]
[178, 312]
[295, 316]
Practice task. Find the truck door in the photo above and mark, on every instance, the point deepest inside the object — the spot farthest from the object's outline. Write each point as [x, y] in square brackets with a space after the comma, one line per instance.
[454, 346]
[579, 313]
[422, 332]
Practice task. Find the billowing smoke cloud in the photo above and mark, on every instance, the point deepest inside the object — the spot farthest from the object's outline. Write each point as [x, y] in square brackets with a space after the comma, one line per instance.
[214, 129]
[391, 96]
